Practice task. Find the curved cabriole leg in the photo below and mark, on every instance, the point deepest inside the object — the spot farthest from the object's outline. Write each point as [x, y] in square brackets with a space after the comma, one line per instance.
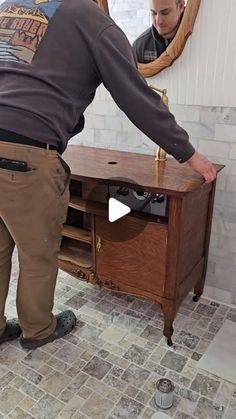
[169, 312]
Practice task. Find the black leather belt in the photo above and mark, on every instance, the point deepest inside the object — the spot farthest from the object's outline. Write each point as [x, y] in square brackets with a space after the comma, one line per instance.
[13, 137]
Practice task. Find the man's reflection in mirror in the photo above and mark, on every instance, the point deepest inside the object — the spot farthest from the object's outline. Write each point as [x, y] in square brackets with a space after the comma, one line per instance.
[166, 16]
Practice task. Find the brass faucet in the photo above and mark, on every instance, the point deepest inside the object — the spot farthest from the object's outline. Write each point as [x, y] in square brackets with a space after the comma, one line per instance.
[160, 153]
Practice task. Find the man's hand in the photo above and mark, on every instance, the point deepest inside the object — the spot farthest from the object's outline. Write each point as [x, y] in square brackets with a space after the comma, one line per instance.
[203, 166]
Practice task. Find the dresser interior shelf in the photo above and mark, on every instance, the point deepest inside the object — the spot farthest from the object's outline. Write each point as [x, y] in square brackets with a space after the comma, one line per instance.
[77, 233]
[78, 254]
[88, 206]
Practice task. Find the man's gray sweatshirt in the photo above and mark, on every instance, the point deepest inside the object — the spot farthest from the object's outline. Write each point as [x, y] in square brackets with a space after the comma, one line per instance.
[53, 56]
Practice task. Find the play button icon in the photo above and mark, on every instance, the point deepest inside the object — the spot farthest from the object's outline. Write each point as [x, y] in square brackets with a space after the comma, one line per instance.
[109, 201]
[116, 209]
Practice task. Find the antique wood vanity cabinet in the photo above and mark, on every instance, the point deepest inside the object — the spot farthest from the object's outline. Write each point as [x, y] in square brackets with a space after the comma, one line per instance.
[168, 255]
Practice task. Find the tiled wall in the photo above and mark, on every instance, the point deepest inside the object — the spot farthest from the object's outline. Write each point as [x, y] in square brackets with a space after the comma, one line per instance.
[212, 131]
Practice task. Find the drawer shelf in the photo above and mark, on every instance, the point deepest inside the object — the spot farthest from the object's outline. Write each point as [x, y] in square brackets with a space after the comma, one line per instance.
[89, 207]
[76, 258]
[77, 233]
[79, 253]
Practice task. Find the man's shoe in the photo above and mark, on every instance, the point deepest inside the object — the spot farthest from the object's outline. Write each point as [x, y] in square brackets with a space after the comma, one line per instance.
[66, 321]
[12, 331]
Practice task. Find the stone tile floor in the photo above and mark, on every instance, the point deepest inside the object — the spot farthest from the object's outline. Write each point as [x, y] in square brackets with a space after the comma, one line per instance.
[108, 366]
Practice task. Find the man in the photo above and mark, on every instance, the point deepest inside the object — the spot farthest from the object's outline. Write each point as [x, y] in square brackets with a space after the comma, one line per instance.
[166, 16]
[53, 57]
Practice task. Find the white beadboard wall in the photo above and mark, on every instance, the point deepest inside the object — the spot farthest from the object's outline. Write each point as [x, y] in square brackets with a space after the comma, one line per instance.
[205, 73]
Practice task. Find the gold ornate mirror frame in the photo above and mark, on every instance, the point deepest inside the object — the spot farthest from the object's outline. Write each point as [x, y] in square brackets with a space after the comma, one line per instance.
[175, 48]
[104, 5]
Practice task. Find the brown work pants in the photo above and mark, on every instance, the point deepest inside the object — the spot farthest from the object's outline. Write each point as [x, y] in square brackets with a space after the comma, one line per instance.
[33, 207]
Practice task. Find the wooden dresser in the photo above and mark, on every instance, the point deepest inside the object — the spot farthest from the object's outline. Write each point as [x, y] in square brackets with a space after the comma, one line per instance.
[161, 257]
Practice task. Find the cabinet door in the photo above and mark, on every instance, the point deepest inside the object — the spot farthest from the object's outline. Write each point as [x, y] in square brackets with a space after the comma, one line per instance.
[133, 265]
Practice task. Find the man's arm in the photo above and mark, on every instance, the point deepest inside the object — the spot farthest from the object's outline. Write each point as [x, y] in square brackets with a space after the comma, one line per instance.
[117, 69]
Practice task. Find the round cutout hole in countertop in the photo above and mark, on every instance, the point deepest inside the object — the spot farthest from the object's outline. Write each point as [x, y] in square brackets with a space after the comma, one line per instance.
[112, 162]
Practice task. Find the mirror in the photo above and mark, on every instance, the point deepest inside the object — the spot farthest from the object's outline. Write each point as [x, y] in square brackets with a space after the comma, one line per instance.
[176, 46]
